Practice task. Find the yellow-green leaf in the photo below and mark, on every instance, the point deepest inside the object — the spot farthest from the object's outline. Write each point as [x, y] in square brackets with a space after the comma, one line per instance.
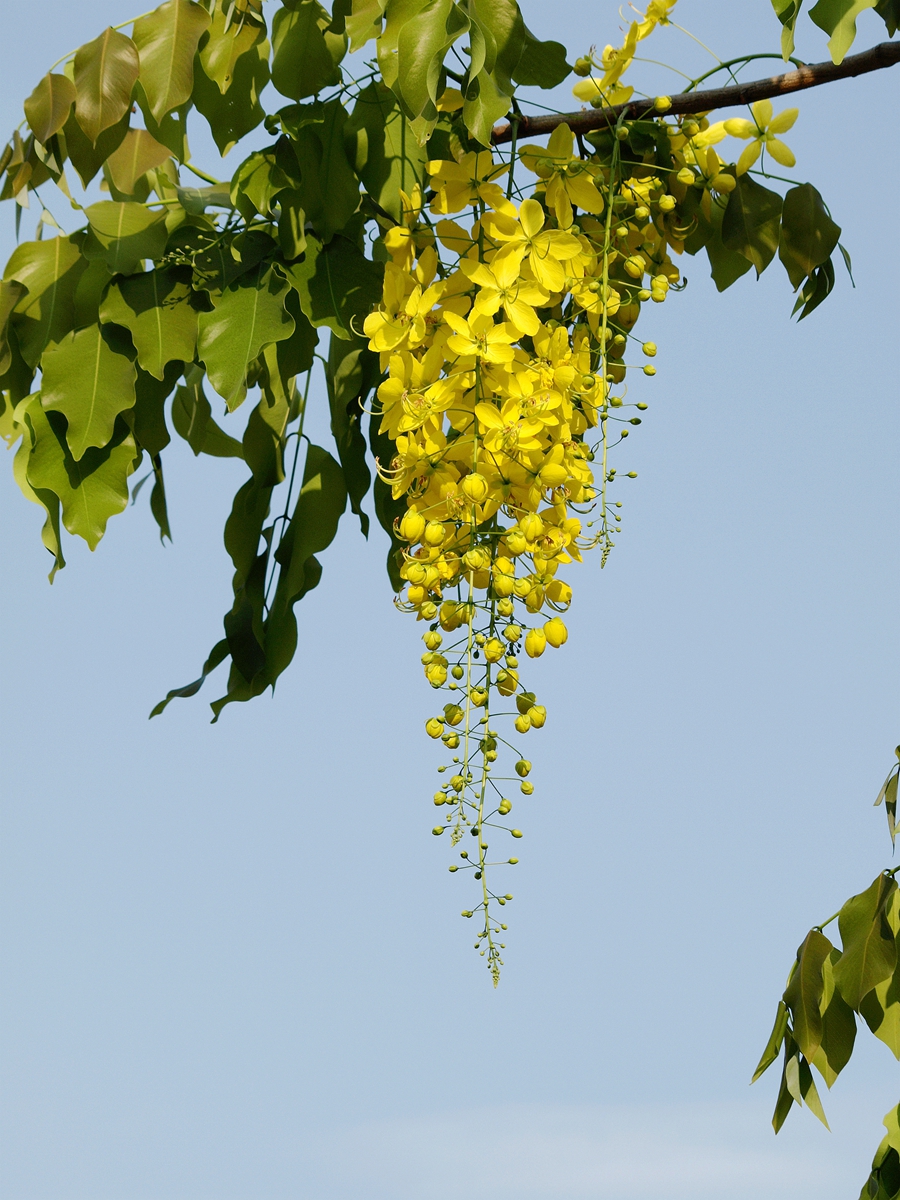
[228, 40]
[106, 71]
[87, 381]
[803, 994]
[236, 113]
[50, 270]
[124, 234]
[155, 308]
[11, 292]
[167, 41]
[869, 949]
[138, 154]
[47, 108]
[838, 18]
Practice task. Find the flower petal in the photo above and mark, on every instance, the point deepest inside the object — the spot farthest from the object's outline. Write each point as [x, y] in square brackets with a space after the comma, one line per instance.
[784, 121]
[531, 216]
[781, 153]
[748, 158]
[739, 127]
[762, 112]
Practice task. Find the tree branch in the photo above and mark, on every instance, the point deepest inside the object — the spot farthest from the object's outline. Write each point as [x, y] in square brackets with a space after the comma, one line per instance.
[886, 54]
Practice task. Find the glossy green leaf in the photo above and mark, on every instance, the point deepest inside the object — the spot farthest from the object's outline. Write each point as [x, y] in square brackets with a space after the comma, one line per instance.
[889, 11]
[123, 235]
[352, 373]
[397, 13]
[90, 490]
[106, 71]
[803, 994]
[305, 55]
[47, 108]
[89, 383]
[155, 307]
[167, 41]
[249, 315]
[87, 158]
[838, 1027]
[233, 115]
[217, 656]
[484, 106]
[787, 12]
[364, 22]
[382, 149]
[808, 234]
[752, 222]
[148, 417]
[138, 153]
[869, 949]
[816, 289]
[775, 1042]
[11, 293]
[838, 18]
[49, 501]
[258, 179]
[422, 43]
[227, 41]
[884, 1181]
[337, 285]
[50, 270]
[192, 418]
[328, 187]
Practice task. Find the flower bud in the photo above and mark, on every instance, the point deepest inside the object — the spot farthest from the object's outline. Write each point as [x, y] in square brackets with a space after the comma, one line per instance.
[438, 830]
[635, 266]
[649, 369]
[685, 176]
[662, 103]
[494, 650]
[667, 203]
[432, 639]
[450, 740]
[523, 768]
[474, 487]
[434, 727]
[457, 783]
[434, 534]
[515, 541]
[535, 643]
[453, 714]
[649, 348]
[555, 631]
[523, 723]
[525, 701]
[537, 715]
[517, 833]
[512, 633]
[526, 787]
[440, 798]
[532, 526]
[507, 682]
[504, 807]
[724, 183]
[412, 526]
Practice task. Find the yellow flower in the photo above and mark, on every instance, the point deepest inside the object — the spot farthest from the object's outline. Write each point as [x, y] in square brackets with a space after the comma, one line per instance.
[501, 286]
[763, 131]
[414, 392]
[568, 179]
[545, 249]
[459, 184]
[402, 318]
[506, 430]
[479, 337]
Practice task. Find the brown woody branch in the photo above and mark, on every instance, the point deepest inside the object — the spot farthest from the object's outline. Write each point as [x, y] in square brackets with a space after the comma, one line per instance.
[886, 54]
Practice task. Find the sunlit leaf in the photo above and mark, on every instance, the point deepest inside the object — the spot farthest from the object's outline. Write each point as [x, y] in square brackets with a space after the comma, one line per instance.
[774, 1044]
[869, 949]
[106, 71]
[89, 383]
[123, 234]
[233, 115]
[166, 41]
[227, 41]
[138, 153]
[47, 108]
[11, 293]
[804, 992]
[50, 270]
[155, 307]
[838, 18]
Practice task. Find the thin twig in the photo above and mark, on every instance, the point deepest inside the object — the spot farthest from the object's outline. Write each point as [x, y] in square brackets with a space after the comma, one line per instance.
[885, 54]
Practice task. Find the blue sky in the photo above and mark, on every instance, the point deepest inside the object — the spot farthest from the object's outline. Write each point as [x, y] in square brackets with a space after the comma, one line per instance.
[234, 962]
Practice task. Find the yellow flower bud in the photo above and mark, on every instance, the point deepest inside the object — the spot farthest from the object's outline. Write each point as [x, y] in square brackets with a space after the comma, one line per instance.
[649, 369]
[724, 183]
[478, 696]
[416, 594]
[494, 650]
[537, 715]
[649, 349]
[474, 487]
[432, 639]
[686, 176]
[451, 740]
[503, 585]
[453, 714]
[438, 830]
[667, 203]
[532, 527]
[433, 534]
[556, 632]
[434, 727]
[523, 723]
[523, 768]
[512, 633]
[507, 682]
[535, 643]
[440, 798]
[457, 783]
[662, 103]
[635, 266]
[526, 787]
[515, 542]
[517, 833]
[525, 701]
[412, 526]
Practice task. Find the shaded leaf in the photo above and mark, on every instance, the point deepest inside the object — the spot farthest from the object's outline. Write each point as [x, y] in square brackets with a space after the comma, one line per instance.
[884, 1181]
[86, 381]
[148, 417]
[106, 71]
[49, 501]
[787, 11]
[47, 108]
[816, 289]
[351, 374]
[155, 307]
[167, 41]
[869, 950]
[249, 315]
[541, 64]
[138, 153]
[86, 158]
[485, 104]
[258, 179]
[337, 285]
[305, 55]
[838, 18]
[11, 293]
[123, 234]
[328, 187]
[838, 1027]
[191, 416]
[382, 149]
[227, 41]
[727, 266]
[808, 234]
[889, 11]
[50, 270]
[751, 223]
[803, 994]
[774, 1044]
[217, 656]
[233, 115]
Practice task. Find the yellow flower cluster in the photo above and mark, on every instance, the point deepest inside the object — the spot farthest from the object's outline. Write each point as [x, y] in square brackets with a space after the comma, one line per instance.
[503, 341]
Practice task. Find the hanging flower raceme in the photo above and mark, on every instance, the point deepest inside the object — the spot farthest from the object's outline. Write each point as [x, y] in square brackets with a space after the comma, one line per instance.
[504, 340]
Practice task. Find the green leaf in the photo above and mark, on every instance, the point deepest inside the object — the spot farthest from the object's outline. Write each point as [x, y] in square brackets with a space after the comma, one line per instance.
[382, 149]
[337, 285]
[11, 293]
[364, 22]
[158, 506]
[816, 289]
[838, 1027]
[294, 355]
[484, 106]
[192, 418]
[148, 417]
[87, 158]
[352, 372]
[889, 11]
[542, 64]
[752, 222]
[90, 490]
[167, 41]
[869, 950]
[422, 43]
[880, 1010]
[313, 525]
[227, 41]
[258, 179]
[155, 308]
[248, 316]
[726, 265]
[217, 656]
[138, 153]
[106, 71]
[774, 1044]
[397, 13]
[808, 234]
[49, 501]
[50, 271]
[124, 234]
[328, 187]
[90, 384]
[47, 108]
[803, 994]
[884, 1181]
[305, 56]
[787, 12]
[838, 18]
[233, 115]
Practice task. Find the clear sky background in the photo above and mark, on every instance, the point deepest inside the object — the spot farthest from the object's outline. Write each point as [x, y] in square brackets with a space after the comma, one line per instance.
[234, 965]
